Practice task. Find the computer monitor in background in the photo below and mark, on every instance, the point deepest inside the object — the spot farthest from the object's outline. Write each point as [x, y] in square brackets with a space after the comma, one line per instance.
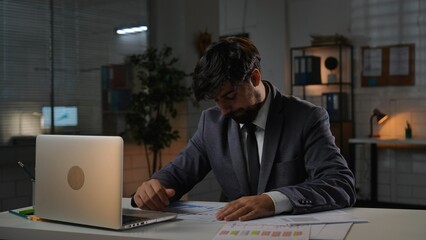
[65, 116]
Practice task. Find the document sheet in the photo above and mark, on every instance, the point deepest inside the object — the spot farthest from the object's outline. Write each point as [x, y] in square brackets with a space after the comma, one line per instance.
[330, 225]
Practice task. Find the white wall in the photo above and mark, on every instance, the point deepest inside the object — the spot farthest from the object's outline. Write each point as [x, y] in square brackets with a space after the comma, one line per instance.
[388, 24]
[402, 175]
[318, 17]
[265, 23]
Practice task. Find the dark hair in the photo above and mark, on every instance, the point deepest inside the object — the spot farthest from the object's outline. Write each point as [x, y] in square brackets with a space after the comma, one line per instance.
[230, 59]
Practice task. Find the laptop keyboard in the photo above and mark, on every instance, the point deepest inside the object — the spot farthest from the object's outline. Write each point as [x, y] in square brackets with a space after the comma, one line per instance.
[126, 219]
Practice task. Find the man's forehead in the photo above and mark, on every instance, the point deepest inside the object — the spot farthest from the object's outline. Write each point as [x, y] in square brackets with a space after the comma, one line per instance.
[225, 87]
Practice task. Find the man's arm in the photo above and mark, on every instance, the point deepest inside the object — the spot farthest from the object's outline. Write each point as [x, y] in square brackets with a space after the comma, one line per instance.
[329, 183]
[151, 195]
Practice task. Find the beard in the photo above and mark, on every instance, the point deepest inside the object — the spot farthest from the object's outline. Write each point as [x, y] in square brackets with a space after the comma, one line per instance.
[248, 114]
[245, 115]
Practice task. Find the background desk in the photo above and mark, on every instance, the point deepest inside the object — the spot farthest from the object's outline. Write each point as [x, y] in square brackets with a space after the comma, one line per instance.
[374, 142]
[383, 224]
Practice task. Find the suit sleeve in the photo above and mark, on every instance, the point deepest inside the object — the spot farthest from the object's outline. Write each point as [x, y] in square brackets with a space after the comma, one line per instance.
[330, 183]
[189, 167]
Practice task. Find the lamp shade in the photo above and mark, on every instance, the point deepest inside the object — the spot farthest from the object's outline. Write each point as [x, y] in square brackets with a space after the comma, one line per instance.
[381, 117]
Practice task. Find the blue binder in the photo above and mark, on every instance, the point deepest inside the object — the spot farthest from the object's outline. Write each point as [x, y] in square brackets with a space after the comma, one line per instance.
[307, 70]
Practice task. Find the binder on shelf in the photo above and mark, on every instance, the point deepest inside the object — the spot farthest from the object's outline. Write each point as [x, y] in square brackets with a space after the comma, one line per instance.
[105, 77]
[336, 104]
[116, 76]
[119, 100]
[116, 88]
[105, 100]
[307, 70]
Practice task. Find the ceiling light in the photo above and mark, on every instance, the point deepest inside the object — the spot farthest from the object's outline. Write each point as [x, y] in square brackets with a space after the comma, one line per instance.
[131, 30]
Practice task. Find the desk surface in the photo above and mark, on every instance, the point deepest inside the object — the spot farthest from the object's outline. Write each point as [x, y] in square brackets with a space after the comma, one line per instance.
[382, 224]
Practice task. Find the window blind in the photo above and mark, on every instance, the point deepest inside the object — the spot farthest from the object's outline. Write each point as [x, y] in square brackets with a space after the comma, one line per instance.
[83, 40]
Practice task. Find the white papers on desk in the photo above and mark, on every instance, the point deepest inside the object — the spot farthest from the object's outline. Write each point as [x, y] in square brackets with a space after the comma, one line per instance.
[206, 212]
[334, 216]
[330, 225]
[239, 230]
[196, 211]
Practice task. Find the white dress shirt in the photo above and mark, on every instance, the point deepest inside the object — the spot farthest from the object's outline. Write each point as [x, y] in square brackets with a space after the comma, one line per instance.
[281, 201]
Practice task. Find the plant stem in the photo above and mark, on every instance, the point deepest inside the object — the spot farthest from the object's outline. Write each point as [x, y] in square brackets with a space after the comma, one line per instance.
[147, 161]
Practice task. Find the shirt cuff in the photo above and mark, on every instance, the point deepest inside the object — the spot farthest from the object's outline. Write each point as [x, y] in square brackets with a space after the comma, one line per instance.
[281, 202]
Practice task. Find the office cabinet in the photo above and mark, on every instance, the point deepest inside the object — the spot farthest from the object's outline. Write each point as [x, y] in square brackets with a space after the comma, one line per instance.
[323, 75]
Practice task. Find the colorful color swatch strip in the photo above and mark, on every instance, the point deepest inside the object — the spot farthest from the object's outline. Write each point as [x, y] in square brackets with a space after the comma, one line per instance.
[262, 231]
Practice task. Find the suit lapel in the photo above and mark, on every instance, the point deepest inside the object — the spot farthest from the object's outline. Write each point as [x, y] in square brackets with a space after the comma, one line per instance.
[273, 130]
[237, 156]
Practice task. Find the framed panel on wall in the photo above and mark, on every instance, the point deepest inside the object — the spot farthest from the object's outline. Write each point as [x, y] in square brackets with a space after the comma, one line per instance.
[388, 65]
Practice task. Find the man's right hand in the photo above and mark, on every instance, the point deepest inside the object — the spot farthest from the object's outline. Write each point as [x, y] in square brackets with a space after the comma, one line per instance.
[151, 195]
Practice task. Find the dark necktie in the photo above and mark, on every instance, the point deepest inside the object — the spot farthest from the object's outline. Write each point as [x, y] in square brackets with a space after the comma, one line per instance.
[252, 157]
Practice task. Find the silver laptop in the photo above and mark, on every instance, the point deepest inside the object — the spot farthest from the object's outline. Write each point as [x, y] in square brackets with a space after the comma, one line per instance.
[79, 180]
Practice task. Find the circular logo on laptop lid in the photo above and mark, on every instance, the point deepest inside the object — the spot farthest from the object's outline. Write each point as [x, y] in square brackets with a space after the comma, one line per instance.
[76, 177]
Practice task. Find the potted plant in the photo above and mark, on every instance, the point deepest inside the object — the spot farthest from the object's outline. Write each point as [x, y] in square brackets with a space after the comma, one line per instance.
[161, 86]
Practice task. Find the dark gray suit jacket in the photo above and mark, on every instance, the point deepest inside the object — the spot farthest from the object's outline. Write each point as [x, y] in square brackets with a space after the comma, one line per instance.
[300, 158]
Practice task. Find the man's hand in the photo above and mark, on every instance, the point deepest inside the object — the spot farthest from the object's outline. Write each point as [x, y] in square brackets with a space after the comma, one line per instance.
[151, 195]
[247, 208]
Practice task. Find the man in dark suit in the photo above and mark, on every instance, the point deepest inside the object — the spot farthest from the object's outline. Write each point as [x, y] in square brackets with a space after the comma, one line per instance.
[270, 153]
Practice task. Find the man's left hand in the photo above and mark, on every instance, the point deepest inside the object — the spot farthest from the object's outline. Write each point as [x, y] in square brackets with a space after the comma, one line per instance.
[247, 208]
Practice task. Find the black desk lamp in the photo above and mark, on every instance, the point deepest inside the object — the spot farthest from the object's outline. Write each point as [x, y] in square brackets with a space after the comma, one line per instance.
[381, 117]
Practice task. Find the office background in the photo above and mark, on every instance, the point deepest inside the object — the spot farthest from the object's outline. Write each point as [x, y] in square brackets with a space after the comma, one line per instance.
[84, 39]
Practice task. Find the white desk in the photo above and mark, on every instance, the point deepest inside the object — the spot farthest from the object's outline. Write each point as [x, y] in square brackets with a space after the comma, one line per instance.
[383, 224]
